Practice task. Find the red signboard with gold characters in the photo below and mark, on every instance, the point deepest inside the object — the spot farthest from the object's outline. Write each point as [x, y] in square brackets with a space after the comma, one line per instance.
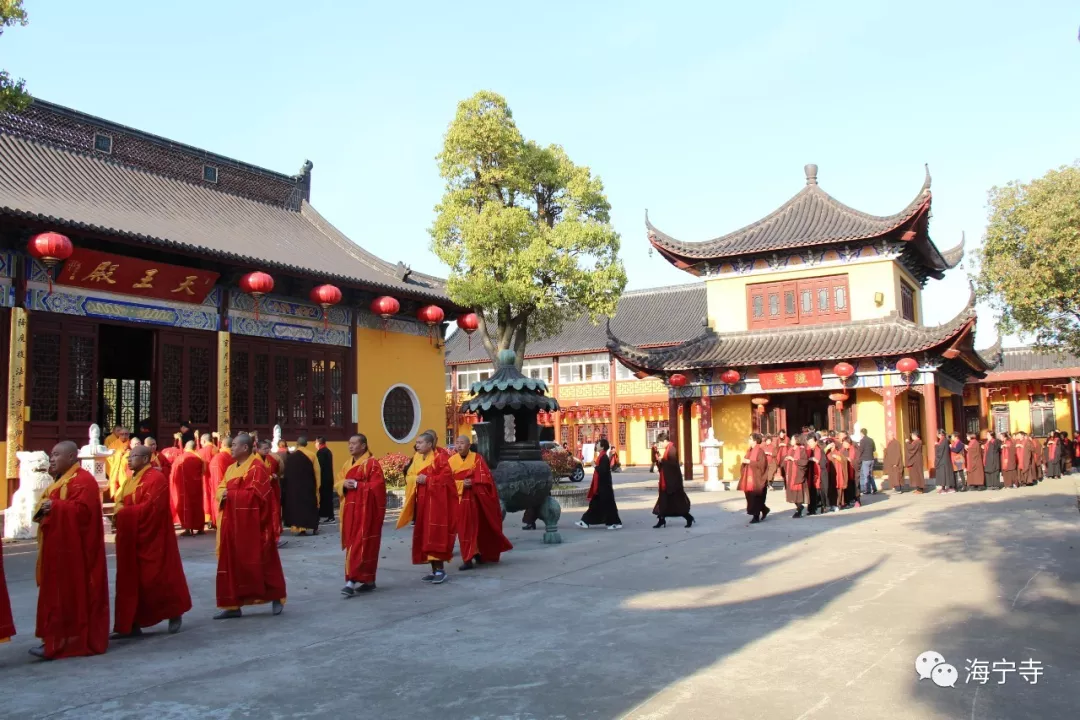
[132, 276]
[785, 379]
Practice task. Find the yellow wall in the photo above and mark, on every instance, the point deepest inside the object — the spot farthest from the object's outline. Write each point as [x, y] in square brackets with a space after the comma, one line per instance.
[1020, 414]
[386, 359]
[637, 452]
[870, 414]
[727, 294]
[732, 416]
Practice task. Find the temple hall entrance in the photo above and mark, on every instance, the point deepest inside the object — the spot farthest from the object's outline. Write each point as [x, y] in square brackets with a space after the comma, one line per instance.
[126, 372]
[795, 411]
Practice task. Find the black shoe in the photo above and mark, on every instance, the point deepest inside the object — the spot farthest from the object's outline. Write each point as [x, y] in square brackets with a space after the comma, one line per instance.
[754, 521]
[348, 591]
[690, 520]
[39, 652]
[328, 521]
[229, 614]
[765, 514]
[468, 565]
[277, 607]
[136, 631]
[438, 577]
[529, 526]
[661, 522]
[364, 588]
[174, 625]
[798, 513]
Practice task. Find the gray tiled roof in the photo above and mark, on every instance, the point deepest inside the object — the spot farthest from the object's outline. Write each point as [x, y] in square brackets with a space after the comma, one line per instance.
[660, 316]
[842, 341]
[1028, 359]
[70, 189]
[812, 217]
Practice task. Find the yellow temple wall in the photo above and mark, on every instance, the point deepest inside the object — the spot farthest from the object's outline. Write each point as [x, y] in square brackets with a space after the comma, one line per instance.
[870, 414]
[732, 415]
[1020, 414]
[726, 295]
[387, 359]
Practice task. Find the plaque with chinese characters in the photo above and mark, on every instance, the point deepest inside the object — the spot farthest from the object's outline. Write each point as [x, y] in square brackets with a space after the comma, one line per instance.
[132, 276]
[790, 379]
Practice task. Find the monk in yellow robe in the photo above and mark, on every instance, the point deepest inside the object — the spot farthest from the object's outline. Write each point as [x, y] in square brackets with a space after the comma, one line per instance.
[121, 471]
[117, 441]
[430, 498]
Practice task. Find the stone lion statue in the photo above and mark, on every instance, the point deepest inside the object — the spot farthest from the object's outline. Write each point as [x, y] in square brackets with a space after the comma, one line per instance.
[33, 479]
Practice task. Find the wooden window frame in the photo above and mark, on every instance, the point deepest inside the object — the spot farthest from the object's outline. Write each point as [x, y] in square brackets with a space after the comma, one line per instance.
[828, 286]
[907, 302]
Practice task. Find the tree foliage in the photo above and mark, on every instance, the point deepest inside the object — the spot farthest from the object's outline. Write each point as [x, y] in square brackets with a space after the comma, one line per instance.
[1029, 265]
[13, 95]
[526, 232]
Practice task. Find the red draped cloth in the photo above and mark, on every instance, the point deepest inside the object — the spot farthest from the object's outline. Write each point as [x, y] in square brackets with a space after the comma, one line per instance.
[7, 625]
[273, 466]
[150, 582]
[73, 583]
[218, 465]
[363, 512]
[209, 489]
[436, 513]
[187, 485]
[479, 515]
[249, 568]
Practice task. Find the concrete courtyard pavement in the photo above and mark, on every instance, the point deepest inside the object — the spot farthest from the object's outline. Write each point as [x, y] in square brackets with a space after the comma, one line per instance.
[816, 618]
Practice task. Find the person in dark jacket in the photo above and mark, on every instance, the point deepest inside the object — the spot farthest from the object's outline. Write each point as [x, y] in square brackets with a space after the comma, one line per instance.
[943, 467]
[671, 500]
[867, 452]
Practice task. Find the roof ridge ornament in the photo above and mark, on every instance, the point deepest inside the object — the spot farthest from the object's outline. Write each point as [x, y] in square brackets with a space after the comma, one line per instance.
[811, 173]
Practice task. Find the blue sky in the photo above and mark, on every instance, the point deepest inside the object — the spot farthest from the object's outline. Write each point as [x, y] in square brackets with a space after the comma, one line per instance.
[704, 113]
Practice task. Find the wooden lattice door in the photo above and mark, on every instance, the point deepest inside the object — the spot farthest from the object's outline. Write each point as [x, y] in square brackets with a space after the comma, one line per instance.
[186, 372]
[61, 389]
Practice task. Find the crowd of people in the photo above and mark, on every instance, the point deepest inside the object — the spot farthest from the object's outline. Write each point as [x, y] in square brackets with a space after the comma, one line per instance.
[831, 471]
[248, 494]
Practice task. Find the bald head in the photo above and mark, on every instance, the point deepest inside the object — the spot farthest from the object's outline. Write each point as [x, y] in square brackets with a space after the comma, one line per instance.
[138, 458]
[63, 456]
[226, 442]
[462, 445]
[241, 447]
[189, 445]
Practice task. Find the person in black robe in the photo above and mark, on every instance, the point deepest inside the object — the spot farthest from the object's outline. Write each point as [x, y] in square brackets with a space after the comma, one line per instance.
[992, 461]
[672, 500]
[914, 461]
[602, 509]
[326, 485]
[187, 433]
[300, 499]
[943, 467]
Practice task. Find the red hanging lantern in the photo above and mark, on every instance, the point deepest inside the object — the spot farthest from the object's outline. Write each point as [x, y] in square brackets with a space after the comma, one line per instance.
[430, 315]
[839, 398]
[730, 377]
[843, 370]
[907, 365]
[385, 307]
[50, 249]
[325, 296]
[677, 380]
[624, 413]
[1016, 392]
[256, 284]
[469, 323]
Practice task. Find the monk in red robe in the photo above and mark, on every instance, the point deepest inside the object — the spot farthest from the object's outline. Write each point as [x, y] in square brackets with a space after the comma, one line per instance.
[73, 595]
[150, 582]
[433, 503]
[796, 464]
[362, 489]
[480, 535]
[1008, 462]
[817, 477]
[249, 568]
[7, 625]
[752, 482]
[207, 451]
[187, 483]
[273, 466]
[840, 469]
[218, 465]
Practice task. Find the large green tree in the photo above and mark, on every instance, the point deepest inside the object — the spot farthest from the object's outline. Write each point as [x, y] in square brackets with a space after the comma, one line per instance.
[526, 232]
[13, 95]
[1029, 266]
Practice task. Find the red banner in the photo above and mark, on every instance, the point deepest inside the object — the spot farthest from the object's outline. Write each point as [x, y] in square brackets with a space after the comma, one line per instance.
[131, 276]
[784, 379]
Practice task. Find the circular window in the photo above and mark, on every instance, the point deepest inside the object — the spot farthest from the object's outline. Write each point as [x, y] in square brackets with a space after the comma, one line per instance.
[401, 413]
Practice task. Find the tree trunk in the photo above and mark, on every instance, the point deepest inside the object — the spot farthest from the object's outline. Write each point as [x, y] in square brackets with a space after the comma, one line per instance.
[510, 334]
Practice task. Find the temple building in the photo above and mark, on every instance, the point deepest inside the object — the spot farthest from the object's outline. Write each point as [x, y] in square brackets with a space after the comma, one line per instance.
[598, 396]
[147, 282]
[1025, 390]
[814, 319]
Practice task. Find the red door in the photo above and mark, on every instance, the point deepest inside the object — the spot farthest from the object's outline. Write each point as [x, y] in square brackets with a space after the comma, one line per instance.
[186, 372]
[61, 388]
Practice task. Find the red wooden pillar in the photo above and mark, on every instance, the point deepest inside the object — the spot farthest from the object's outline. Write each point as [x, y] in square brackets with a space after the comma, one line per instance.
[673, 422]
[555, 394]
[688, 440]
[984, 407]
[930, 410]
[958, 416]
